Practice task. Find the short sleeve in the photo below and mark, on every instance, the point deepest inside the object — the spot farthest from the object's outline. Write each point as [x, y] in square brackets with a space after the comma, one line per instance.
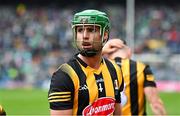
[61, 92]
[149, 77]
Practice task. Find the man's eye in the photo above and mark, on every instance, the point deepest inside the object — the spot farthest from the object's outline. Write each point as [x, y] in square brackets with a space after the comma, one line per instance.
[92, 30]
[80, 30]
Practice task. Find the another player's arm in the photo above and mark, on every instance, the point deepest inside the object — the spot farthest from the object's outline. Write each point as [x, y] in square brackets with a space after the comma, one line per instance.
[155, 101]
[61, 94]
[60, 112]
[151, 93]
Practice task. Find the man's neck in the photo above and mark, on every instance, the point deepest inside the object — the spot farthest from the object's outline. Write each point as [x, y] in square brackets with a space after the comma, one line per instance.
[93, 62]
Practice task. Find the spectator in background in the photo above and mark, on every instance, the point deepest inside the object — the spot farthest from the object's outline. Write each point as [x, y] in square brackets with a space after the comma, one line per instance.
[21, 33]
[173, 41]
[139, 81]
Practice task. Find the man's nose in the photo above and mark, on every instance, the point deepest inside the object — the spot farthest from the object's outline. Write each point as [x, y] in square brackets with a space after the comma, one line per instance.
[85, 33]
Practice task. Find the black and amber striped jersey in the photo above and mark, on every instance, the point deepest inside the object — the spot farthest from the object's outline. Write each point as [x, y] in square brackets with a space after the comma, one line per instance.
[77, 86]
[137, 76]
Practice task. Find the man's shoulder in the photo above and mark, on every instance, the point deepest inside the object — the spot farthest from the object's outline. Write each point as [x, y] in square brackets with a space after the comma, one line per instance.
[109, 61]
[132, 61]
[112, 64]
[68, 66]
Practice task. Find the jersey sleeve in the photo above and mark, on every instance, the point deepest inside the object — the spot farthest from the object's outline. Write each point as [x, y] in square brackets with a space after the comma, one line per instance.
[149, 77]
[61, 91]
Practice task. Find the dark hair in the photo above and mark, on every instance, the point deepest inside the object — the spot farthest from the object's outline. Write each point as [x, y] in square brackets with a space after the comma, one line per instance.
[124, 41]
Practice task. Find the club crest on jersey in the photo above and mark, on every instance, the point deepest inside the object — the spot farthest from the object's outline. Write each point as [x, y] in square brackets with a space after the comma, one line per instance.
[102, 106]
[84, 87]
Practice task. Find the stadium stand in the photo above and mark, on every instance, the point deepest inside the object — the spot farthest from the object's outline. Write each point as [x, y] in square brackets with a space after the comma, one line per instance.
[35, 40]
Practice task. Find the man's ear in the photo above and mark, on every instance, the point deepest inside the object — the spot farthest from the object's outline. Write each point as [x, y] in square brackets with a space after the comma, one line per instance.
[106, 36]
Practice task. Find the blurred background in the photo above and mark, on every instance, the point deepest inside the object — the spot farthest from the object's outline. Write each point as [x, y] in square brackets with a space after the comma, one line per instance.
[36, 37]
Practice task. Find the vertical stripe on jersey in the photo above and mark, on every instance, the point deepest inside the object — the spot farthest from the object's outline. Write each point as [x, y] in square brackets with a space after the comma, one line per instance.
[133, 88]
[70, 71]
[118, 61]
[92, 86]
[140, 79]
[83, 94]
[114, 78]
[125, 66]
[100, 85]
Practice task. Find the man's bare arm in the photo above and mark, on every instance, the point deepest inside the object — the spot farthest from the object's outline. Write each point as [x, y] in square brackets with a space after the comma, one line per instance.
[61, 112]
[155, 101]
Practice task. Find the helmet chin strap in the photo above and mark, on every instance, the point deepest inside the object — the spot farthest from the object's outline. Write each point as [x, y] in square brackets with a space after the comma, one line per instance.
[88, 53]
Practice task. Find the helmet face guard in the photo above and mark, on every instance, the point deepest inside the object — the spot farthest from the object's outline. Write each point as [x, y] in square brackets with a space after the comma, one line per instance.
[91, 17]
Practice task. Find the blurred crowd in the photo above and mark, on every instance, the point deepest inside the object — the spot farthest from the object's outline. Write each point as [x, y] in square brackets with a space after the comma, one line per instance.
[158, 29]
[35, 41]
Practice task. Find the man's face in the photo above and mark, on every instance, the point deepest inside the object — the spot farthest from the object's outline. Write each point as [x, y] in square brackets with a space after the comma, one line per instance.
[88, 37]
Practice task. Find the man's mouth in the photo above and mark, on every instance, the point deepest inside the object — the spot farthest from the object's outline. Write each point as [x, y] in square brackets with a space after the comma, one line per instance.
[86, 45]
